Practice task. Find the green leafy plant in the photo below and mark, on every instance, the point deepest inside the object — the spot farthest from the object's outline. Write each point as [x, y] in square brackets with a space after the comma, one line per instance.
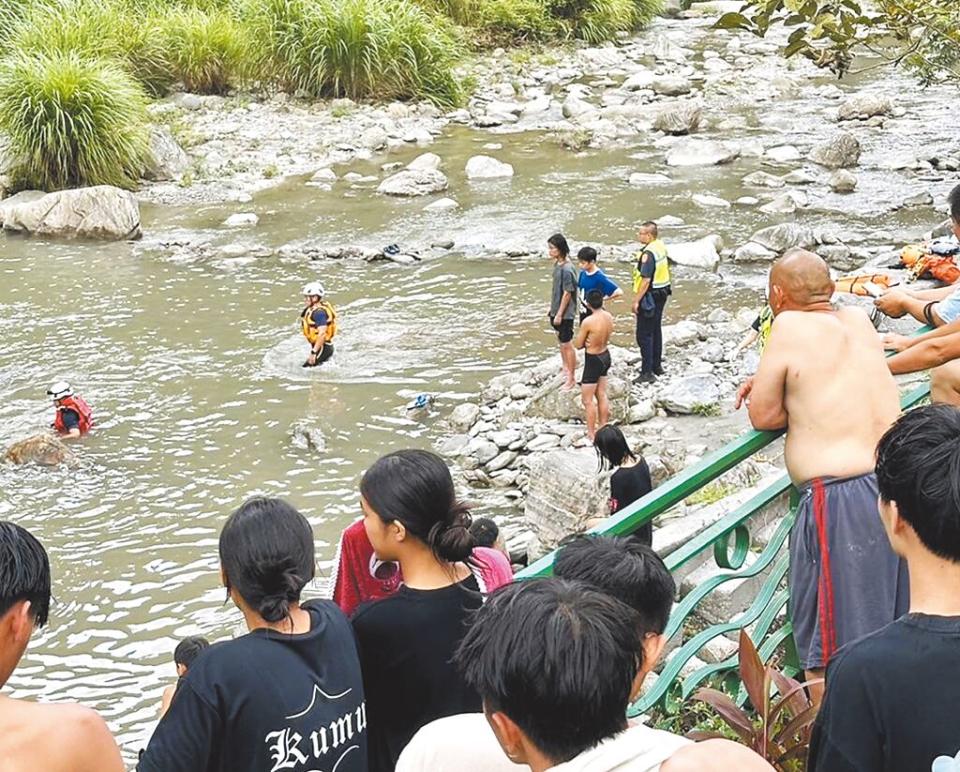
[207, 50]
[387, 49]
[73, 121]
[922, 34]
[780, 733]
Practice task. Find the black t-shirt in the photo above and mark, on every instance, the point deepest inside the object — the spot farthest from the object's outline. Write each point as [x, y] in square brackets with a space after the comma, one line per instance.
[627, 485]
[406, 645]
[269, 701]
[891, 700]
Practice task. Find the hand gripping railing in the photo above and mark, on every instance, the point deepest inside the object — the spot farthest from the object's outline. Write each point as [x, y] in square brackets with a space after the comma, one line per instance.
[761, 616]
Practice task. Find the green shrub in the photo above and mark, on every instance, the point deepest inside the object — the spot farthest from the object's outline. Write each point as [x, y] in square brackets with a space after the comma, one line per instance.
[523, 18]
[595, 21]
[72, 121]
[206, 50]
[387, 49]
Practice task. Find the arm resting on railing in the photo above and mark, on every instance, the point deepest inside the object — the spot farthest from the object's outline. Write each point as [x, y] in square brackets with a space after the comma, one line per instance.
[932, 352]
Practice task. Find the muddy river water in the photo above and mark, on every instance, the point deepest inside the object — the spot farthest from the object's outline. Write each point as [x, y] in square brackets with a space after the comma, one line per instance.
[193, 366]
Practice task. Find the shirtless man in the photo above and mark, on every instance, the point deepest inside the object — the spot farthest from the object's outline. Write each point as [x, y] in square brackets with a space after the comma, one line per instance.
[52, 738]
[823, 377]
[593, 336]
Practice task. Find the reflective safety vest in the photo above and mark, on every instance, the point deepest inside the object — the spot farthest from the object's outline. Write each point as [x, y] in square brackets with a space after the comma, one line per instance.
[661, 273]
[80, 407]
[310, 330]
[766, 326]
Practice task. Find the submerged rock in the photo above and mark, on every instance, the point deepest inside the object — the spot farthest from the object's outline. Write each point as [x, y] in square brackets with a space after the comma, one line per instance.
[241, 220]
[486, 167]
[42, 449]
[864, 106]
[842, 181]
[678, 118]
[306, 435]
[701, 152]
[413, 182]
[101, 212]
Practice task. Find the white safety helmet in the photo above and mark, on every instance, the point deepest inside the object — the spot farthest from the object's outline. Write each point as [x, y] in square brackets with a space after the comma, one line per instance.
[60, 390]
[313, 288]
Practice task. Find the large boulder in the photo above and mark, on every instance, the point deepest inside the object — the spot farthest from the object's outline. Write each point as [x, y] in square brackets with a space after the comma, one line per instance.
[841, 151]
[691, 394]
[564, 493]
[678, 118]
[554, 403]
[101, 212]
[413, 182]
[464, 416]
[701, 152]
[42, 449]
[425, 162]
[703, 253]
[864, 106]
[167, 160]
[487, 167]
[788, 235]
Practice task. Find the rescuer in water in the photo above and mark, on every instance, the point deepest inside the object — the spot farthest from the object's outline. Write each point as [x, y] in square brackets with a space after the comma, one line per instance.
[74, 417]
[318, 321]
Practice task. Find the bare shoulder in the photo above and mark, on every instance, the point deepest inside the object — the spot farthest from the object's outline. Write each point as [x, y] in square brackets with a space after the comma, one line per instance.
[719, 755]
[86, 730]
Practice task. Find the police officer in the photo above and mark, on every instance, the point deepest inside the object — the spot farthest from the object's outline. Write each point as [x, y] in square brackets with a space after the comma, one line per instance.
[651, 287]
[318, 321]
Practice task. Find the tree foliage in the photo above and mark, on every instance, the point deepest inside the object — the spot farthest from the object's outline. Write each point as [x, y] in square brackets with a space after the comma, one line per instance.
[921, 34]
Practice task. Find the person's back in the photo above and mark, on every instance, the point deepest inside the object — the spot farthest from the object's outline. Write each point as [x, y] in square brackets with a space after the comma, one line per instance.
[840, 396]
[599, 328]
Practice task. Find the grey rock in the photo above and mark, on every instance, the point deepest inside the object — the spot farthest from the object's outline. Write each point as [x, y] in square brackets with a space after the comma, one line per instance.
[642, 179]
[763, 180]
[701, 152]
[486, 167]
[504, 438]
[324, 175]
[639, 81]
[501, 461]
[799, 177]
[241, 220]
[543, 442]
[425, 162]
[166, 160]
[464, 416]
[864, 106]
[839, 256]
[374, 138]
[306, 435]
[839, 152]
[786, 203]
[101, 212]
[703, 253]
[920, 199]
[747, 201]
[442, 205]
[454, 445]
[671, 85]
[785, 236]
[555, 403]
[573, 107]
[678, 118]
[842, 181]
[520, 391]
[482, 450]
[712, 351]
[682, 333]
[752, 252]
[644, 410]
[708, 201]
[690, 394]
[413, 182]
[719, 316]
[782, 154]
[41, 449]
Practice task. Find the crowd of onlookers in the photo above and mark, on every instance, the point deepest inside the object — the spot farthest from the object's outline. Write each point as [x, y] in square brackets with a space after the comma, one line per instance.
[446, 664]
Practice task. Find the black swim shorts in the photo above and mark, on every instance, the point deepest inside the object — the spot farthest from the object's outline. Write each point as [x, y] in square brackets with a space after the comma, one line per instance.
[325, 353]
[564, 331]
[595, 367]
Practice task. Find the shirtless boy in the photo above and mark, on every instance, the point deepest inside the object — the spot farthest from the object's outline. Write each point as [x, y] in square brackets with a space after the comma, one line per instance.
[33, 737]
[823, 377]
[593, 336]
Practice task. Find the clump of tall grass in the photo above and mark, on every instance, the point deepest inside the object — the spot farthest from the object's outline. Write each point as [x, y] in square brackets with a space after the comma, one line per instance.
[385, 49]
[595, 21]
[206, 50]
[72, 121]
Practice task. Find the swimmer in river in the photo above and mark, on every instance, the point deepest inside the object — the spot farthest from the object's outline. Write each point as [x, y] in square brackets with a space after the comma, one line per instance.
[74, 417]
[318, 322]
[183, 656]
[593, 336]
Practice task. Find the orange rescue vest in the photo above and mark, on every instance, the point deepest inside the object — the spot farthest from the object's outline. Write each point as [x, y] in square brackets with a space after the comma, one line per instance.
[80, 407]
[310, 330]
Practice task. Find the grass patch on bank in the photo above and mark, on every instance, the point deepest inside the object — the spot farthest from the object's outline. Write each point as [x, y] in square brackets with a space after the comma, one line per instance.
[72, 121]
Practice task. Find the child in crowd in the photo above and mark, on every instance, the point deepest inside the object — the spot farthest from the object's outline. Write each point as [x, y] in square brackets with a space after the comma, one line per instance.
[592, 278]
[407, 640]
[759, 331]
[183, 656]
[630, 481]
[557, 662]
[486, 534]
[289, 694]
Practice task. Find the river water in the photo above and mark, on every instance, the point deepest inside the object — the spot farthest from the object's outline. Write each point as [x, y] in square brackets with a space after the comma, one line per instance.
[192, 368]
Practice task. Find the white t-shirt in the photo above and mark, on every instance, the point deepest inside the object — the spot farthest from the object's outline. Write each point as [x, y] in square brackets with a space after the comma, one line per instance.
[466, 743]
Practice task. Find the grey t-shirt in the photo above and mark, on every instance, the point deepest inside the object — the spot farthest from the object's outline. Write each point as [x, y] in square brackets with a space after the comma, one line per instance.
[564, 280]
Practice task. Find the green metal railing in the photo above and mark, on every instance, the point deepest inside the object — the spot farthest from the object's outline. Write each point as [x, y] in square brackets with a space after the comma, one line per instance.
[765, 617]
